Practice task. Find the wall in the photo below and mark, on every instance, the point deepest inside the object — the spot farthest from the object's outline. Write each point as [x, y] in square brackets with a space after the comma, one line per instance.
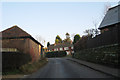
[102, 49]
[35, 50]
[15, 43]
[107, 55]
[24, 46]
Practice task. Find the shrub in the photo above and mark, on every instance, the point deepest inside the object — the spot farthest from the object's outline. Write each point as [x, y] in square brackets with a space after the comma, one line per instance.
[56, 54]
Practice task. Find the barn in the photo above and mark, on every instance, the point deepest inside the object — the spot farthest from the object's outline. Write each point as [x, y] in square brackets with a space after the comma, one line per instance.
[16, 39]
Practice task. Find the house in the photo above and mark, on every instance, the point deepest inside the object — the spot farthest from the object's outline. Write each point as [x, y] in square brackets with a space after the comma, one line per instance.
[16, 38]
[66, 46]
[111, 20]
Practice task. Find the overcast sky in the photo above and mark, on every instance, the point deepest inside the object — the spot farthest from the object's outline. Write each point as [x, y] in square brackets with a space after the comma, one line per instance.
[48, 19]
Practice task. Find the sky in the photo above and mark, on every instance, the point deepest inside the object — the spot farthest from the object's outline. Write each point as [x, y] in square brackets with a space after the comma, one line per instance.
[49, 19]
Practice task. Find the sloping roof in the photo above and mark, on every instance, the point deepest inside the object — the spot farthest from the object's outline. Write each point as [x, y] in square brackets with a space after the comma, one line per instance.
[112, 17]
[51, 46]
[16, 32]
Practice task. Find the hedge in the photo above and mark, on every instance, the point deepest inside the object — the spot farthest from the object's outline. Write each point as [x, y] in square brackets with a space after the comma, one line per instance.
[56, 54]
[13, 60]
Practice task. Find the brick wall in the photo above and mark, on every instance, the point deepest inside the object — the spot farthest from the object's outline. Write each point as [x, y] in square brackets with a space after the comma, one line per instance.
[34, 50]
[15, 43]
[25, 46]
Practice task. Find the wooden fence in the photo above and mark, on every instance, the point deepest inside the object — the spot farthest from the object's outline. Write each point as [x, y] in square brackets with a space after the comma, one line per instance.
[107, 38]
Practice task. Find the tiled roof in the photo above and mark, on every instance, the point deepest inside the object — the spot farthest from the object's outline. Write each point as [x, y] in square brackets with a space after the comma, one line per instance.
[14, 31]
[112, 17]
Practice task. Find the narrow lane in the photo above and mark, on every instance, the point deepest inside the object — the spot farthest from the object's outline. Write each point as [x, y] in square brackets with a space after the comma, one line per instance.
[62, 68]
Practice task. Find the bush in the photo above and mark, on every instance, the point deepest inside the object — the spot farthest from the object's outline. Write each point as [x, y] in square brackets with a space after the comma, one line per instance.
[13, 60]
[56, 54]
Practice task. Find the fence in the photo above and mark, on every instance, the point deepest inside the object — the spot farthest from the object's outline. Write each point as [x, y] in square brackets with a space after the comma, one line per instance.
[107, 38]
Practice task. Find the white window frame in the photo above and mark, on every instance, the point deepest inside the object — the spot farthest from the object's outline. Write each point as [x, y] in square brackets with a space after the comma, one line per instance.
[66, 48]
[71, 47]
[61, 49]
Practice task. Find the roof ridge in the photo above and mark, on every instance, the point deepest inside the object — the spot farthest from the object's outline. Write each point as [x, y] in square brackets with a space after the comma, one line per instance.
[114, 7]
[14, 31]
[109, 18]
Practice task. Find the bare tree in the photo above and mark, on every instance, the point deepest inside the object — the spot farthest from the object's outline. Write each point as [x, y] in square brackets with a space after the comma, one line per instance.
[95, 31]
[44, 42]
[72, 35]
[90, 32]
[95, 22]
[40, 39]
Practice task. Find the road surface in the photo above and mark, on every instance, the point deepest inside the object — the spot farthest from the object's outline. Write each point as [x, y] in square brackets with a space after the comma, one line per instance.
[62, 68]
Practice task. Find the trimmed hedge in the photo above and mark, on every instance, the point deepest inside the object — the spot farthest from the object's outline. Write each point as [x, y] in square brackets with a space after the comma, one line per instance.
[56, 54]
[13, 60]
[106, 55]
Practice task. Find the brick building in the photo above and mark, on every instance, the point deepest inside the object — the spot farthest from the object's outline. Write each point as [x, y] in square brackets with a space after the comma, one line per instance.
[111, 20]
[17, 38]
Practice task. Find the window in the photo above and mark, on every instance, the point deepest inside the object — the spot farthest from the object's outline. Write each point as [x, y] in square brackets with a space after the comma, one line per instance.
[56, 49]
[72, 51]
[61, 49]
[72, 47]
[66, 48]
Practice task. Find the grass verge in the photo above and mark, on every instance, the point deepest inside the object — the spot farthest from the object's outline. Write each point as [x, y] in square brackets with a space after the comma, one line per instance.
[33, 67]
[25, 69]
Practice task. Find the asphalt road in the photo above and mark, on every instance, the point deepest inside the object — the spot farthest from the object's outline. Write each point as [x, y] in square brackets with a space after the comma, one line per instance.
[62, 68]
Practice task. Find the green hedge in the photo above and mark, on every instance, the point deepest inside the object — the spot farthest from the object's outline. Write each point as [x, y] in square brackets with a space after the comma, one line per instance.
[106, 55]
[56, 54]
[13, 60]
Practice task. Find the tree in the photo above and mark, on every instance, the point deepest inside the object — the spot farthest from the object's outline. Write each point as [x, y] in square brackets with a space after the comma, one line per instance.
[67, 35]
[95, 31]
[48, 43]
[76, 38]
[90, 32]
[67, 38]
[40, 39]
[72, 35]
[58, 39]
[106, 8]
[81, 44]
